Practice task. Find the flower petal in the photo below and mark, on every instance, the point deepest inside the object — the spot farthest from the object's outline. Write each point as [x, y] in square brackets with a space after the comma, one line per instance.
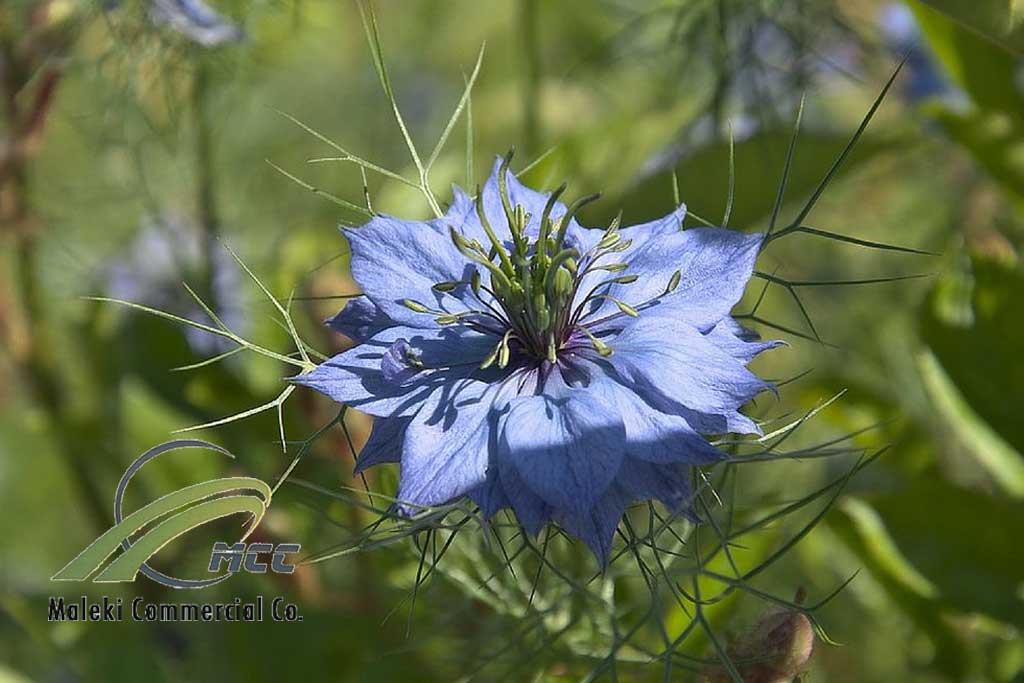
[531, 510]
[462, 216]
[651, 435]
[490, 495]
[395, 260]
[738, 341]
[669, 361]
[637, 481]
[596, 526]
[533, 202]
[445, 451]
[355, 378]
[669, 484]
[359, 320]
[195, 20]
[567, 449]
[462, 213]
[384, 444]
[714, 265]
[668, 224]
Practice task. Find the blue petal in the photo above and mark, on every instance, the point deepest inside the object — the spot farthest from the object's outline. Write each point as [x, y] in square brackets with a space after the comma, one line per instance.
[395, 367]
[639, 235]
[714, 265]
[596, 526]
[729, 422]
[636, 481]
[669, 484]
[195, 20]
[395, 260]
[446, 450]
[359, 320]
[490, 495]
[669, 224]
[531, 510]
[463, 215]
[533, 202]
[566, 450]
[384, 444]
[354, 377]
[738, 341]
[652, 435]
[664, 360]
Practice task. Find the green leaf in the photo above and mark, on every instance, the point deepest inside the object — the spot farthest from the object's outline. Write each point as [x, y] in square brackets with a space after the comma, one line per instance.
[1000, 21]
[976, 373]
[999, 459]
[992, 129]
[864, 532]
[965, 542]
[984, 71]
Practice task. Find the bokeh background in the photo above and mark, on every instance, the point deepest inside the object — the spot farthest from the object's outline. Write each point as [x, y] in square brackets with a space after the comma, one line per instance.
[135, 144]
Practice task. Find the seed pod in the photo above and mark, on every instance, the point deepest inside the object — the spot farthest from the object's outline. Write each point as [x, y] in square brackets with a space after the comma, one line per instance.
[775, 650]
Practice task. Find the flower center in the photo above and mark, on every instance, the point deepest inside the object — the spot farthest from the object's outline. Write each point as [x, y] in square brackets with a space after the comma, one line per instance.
[534, 283]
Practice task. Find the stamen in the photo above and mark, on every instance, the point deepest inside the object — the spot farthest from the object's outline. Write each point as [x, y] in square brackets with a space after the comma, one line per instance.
[503, 350]
[624, 307]
[612, 267]
[673, 282]
[609, 240]
[491, 357]
[474, 252]
[552, 351]
[417, 306]
[598, 345]
[532, 293]
[621, 246]
[592, 295]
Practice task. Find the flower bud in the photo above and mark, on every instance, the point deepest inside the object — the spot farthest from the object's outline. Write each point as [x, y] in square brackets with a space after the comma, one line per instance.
[775, 650]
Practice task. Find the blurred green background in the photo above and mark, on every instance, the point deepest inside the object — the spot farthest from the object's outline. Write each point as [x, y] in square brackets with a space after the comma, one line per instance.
[133, 146]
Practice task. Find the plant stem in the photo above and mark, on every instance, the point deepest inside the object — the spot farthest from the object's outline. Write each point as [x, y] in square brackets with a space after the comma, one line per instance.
[208, 221]
[530, 30]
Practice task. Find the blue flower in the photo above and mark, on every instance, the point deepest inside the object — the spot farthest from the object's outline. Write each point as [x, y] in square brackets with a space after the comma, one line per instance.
[195, 20]
[510, 355]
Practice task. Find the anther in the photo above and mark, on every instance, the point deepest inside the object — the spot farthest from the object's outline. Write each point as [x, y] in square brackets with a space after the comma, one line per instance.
[673, 282]
[416, 306]
[603, 349]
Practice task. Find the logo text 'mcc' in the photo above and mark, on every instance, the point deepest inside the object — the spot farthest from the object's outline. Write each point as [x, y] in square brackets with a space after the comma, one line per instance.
[239, 556]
